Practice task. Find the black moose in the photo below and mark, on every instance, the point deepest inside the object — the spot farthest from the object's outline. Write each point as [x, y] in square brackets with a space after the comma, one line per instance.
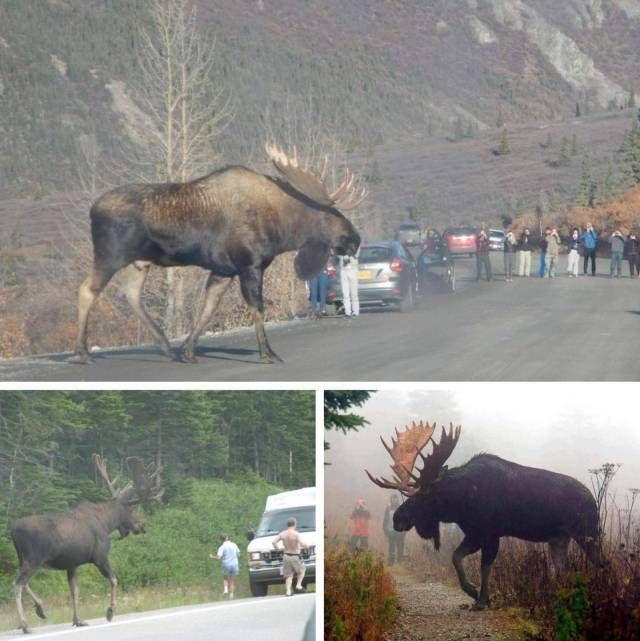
[233, 222]
[65, 540]
[487, 498]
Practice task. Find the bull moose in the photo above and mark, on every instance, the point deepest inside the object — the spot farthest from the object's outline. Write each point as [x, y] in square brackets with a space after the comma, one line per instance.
[65, 540]
[488, 498]
[233, 222]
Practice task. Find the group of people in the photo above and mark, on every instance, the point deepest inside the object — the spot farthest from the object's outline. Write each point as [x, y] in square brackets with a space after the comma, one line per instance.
[317, 287]
[579, 243]
[292, 565]
[360, 518]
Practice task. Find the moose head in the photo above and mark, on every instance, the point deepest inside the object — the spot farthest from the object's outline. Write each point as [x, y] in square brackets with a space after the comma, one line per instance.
[423, 508]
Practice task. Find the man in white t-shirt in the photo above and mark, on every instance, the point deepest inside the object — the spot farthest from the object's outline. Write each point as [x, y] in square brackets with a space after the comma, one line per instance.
[228, 553]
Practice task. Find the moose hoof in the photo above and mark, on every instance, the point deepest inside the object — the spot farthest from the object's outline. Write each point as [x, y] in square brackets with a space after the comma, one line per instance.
[270, 358]
[79, 624]
[40, 611]
[477, 606]
[81, 358]
[187, 356]
[25, 629]
[109, 614]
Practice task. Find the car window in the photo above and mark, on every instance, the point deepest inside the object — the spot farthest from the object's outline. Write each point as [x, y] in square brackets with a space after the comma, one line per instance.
[374, 254]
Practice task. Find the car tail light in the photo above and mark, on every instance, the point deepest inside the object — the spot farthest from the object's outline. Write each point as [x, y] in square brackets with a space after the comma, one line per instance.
[396, 291]
[396, 265]
[331, 270]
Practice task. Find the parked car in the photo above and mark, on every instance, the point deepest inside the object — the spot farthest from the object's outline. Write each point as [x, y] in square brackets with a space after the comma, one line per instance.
[460, 240]
[409, 233]
[496, 239]
[387, 275]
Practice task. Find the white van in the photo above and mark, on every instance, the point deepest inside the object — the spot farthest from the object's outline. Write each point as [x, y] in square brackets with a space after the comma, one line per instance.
[265, 562]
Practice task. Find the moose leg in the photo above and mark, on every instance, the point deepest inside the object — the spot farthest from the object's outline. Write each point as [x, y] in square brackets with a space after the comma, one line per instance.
[251, 286]
[134, 277]
[25, 573]
[107, 573]
[38, 602]
[489, 553]
[87, 295]
[464, 549]
[590, 547]
[559, 548]
[73, 586]
[216, 287]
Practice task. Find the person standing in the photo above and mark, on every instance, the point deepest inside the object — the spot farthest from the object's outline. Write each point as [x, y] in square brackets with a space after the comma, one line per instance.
[395, 539]
[553, 249]
[543, 252]
[617, 241]
[291, 562]
[359, 526]
[349, 283]
[483, 260]
[228, 553]
[526, 245]
[510, 247]
[589, 239]
[631, 253]
[573, 246]
[318, 293]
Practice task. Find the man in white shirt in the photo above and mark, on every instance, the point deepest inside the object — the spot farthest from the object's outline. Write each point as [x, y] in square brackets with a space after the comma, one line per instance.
[349, 283]
[228, 553]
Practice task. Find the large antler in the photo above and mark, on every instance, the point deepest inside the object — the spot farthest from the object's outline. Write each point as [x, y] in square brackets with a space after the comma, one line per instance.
[441, 452]
[143, 486]
[404, 451]
[145, 479]
[101, 467]
[344, 197]
[408, 447]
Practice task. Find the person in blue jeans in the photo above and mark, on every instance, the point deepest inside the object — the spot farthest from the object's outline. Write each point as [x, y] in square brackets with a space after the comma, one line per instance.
[617, 241]
[318, 293]
[543, 252]
[228, 553]
[589, 240]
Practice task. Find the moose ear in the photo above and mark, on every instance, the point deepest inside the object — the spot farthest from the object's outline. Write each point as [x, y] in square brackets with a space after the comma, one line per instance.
[311, 258]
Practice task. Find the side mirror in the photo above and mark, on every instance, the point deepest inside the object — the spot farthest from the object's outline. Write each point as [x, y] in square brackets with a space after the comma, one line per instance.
[251, 535]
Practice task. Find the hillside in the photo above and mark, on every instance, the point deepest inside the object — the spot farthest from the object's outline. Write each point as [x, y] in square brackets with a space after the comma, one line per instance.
[376, 71]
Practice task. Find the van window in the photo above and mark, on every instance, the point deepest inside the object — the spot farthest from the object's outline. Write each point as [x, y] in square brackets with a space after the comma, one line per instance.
[276, 521]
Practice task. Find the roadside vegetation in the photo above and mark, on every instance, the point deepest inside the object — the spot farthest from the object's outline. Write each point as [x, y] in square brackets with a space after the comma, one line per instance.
[222, 454]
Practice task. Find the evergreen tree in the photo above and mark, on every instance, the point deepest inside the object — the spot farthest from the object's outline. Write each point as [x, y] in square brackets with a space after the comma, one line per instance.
[503, 146]
[500, 120]
[632, 99]
[632, 155]
[564, 160]
[574, 145]
[585, 196]
[608, 184]
[337, 404]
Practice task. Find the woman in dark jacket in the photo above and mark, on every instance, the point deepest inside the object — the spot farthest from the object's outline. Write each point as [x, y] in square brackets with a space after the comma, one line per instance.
[632, 253]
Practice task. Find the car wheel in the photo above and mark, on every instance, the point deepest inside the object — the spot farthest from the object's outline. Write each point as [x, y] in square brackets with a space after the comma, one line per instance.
[258, 589]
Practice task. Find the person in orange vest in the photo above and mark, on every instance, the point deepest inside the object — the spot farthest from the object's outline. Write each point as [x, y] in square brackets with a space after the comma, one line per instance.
[360, 526]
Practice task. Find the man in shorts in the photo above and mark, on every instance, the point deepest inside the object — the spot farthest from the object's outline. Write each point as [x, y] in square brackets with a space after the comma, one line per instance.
[228, 553]
[291, 562]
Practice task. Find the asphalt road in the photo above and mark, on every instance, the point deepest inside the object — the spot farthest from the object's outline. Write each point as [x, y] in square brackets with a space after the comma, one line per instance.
[530, 329]
[270, 619]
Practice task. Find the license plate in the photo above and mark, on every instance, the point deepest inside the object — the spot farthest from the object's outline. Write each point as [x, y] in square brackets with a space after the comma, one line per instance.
[364, 274]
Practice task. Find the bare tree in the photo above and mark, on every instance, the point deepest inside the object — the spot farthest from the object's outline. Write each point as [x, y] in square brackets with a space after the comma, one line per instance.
[187, 107]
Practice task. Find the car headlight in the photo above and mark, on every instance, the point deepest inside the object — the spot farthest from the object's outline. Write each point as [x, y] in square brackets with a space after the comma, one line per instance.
[255, 556]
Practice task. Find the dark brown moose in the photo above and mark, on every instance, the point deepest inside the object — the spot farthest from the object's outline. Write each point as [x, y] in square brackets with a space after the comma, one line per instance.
[65, 540]
[233, 222]
[487, 498]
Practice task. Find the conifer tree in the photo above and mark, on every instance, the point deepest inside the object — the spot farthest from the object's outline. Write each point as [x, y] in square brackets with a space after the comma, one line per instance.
[503, 146]
[564, 160]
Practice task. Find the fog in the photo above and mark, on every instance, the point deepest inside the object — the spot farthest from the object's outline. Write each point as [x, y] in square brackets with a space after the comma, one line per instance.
[565, 428]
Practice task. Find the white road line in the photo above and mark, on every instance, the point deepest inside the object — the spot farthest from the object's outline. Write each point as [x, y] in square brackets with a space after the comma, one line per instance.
[162, 615]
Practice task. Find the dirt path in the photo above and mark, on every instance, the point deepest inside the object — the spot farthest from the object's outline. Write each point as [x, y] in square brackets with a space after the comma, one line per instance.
[438, 612]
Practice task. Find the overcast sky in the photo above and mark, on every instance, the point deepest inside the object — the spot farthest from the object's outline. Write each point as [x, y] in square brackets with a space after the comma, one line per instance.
[565, 428]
